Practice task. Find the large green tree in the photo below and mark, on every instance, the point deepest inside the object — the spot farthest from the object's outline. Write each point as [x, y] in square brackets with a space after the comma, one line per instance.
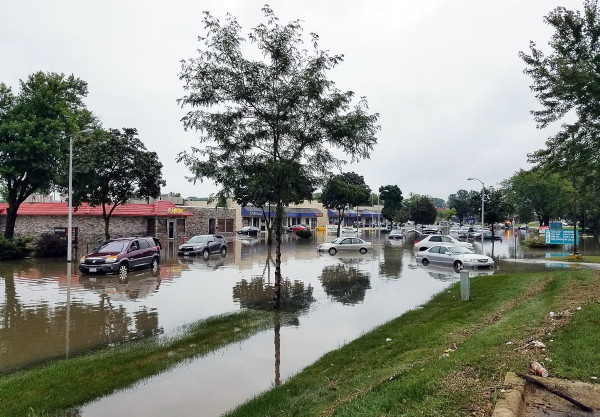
[421, 209]
[35, 126]
[273, 110]
[540, 194]
[566, 82]
[343, 192]
[112, 166]
[461, 202]
[391, 195]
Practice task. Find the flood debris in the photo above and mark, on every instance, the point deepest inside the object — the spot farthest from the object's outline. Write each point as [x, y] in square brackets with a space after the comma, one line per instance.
[555, 391]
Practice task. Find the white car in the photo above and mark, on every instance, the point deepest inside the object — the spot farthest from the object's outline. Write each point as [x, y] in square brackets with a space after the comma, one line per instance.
[346, 244]
[454, 229]
[396, 234]
[458, 257]
[436, 240]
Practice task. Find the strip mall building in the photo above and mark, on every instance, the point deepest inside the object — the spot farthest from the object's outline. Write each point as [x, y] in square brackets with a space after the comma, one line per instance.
[166, 220]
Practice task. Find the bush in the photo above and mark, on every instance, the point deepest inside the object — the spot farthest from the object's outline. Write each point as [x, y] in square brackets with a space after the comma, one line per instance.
[51, 245]
[538, 242]
[305, 234]
[14, 248]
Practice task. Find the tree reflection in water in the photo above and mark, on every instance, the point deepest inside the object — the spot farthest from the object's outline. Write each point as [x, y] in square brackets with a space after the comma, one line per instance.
[344, 282]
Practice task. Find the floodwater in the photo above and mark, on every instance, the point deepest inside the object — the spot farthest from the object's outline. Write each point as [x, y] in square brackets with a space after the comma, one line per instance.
[52, 311]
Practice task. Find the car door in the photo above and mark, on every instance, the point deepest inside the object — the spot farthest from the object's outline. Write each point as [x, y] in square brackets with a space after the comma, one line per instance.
[145, 252]
[134, 254]
[433, 254]
[211, 244]
[346, 244]
[444, 255]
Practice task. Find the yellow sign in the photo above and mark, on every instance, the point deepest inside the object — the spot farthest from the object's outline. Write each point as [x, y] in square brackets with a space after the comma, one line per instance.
[172, 210]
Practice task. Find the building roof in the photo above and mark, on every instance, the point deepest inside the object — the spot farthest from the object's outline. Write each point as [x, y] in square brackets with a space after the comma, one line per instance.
[158, 209]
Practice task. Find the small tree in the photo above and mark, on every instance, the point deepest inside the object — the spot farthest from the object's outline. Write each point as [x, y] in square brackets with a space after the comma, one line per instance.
[344, 191]
[110, 167]
[275, 113]
[392, 203]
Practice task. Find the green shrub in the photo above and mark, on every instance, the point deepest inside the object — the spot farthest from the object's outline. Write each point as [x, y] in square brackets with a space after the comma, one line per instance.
[305, 234]
[14, 248]
[51, 245]
[538, 242]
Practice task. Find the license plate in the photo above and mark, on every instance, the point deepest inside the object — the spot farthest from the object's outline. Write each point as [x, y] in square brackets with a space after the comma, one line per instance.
[93, 269]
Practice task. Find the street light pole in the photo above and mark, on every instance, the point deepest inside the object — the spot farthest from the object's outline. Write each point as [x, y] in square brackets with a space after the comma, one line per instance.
[70, 215]
[482, 203]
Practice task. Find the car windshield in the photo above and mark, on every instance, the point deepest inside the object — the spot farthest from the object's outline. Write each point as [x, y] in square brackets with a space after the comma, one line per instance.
[198, 239]
[113, 246]
[458, 250]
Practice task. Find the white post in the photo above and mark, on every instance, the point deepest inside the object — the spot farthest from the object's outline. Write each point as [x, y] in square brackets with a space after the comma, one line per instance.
[482, 203]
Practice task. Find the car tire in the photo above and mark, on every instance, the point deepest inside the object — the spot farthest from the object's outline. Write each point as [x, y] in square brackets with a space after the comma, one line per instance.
[363, 250]
[123, 270]
[205, 254]
[425, 261]
[458, 266]
[223, 251]
[332, 251]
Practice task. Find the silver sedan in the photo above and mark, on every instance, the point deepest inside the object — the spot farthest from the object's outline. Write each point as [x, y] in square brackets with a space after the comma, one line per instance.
[455, 256]
[345, 243]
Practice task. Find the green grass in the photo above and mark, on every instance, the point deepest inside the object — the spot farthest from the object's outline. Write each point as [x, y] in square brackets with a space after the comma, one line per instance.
[53, 388]
[447, 358]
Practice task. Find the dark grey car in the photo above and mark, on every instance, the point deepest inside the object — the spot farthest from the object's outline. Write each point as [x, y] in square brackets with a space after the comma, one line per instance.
[204, 245]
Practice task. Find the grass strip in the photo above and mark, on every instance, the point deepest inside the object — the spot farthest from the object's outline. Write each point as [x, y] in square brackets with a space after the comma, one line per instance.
[449, 357]
[49, 389]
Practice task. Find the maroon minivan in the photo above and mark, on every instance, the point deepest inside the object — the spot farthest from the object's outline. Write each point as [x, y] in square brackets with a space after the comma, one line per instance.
[121, 255]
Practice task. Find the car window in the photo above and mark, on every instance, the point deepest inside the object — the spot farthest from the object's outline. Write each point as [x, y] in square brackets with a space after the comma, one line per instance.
[356, 241]
[435, 239]
[346, 241]
[144, 244]
[444, 249]
[198, 239]
[435, 249]
[135, 245]
[113, 246]
[446, 239]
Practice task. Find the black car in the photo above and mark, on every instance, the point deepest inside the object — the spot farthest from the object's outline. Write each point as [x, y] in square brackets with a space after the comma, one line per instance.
[121, 255]
[204, 245]
[249, 230]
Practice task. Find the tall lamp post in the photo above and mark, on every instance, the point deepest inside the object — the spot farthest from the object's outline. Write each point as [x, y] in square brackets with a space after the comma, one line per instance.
[482, 202]
[70, 215]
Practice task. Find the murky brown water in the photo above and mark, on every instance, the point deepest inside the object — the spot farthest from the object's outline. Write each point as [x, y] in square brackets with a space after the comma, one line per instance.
[49, 311]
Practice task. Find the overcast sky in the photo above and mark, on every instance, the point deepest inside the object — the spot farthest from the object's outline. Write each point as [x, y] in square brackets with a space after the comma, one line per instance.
[444, 76]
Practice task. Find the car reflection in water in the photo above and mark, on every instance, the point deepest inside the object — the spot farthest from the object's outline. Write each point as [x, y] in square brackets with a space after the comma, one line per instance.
[129, 287]
[448, 273]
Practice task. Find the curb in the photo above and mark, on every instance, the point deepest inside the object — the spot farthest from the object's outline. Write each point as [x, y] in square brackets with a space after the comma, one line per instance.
[510, 402]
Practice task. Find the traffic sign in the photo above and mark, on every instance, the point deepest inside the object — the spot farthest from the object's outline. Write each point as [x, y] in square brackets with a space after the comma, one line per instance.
[560, 237]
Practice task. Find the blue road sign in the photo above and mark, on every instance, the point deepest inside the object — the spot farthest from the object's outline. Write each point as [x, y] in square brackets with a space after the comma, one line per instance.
[560, 237]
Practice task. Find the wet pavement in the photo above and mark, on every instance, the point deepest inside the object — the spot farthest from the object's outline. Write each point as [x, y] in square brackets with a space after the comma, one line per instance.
[52, 311]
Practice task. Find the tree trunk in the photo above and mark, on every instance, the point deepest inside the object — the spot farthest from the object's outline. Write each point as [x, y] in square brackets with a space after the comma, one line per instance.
[277, 286]
[106, 230]
[11, 220]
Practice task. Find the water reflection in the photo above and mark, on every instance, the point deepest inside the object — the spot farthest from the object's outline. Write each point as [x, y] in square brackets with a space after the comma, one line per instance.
[49, 311]
[344, 282]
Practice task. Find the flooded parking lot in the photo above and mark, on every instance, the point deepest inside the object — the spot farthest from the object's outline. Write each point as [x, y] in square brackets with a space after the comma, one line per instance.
[50, 311]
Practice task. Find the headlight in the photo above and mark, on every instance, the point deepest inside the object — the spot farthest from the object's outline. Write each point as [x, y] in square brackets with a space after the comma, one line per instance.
[179, 248]
[111, 259]
[82, 260]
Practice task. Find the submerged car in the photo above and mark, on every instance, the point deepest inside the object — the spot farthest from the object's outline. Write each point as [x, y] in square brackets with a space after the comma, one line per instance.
[487, 235]
[204, 245]
[458, 257]
[343, 243]
[121, 255]
[396, 234]
[249, 230]
[428, 241]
